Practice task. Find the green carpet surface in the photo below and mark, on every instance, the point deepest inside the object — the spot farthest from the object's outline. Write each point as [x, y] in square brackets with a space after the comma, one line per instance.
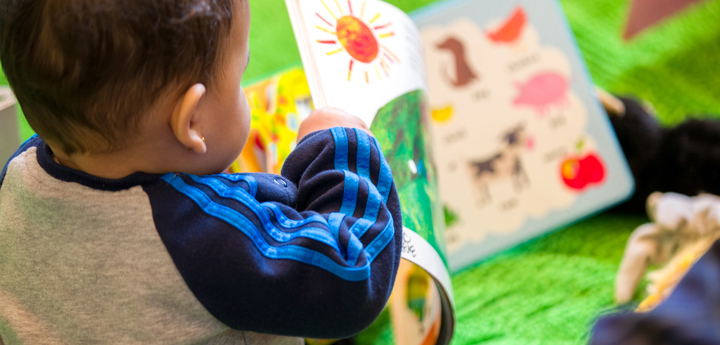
[550, 290]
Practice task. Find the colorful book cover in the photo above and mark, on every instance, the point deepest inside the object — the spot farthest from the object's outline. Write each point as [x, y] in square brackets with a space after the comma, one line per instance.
[521, 142]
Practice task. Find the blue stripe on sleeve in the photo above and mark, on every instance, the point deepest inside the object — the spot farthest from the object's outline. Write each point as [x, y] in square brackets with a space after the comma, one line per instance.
[374, 202]
[251, 181]
[355, 247]
[282, 220]
[350, 193]
[361, 227]
[372, 209]
[352, 183]
[381, 241]
[385, 179]
[351, 187]
[334, 222]
[341, 148]
[241, 195]
[351, 190]
[288, 223]
[363, 153]
[290, 252]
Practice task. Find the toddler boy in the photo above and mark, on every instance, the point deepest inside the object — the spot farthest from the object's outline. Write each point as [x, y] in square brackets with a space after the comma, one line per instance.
[117, 225]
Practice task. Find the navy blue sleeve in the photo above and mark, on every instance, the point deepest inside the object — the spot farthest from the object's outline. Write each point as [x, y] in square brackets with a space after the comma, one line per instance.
[691, 315]
[312, 253]
[34, 141]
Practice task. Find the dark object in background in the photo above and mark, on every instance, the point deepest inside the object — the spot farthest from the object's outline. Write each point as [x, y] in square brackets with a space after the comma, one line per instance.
[689, 316]
[684, 159]
[648, 13]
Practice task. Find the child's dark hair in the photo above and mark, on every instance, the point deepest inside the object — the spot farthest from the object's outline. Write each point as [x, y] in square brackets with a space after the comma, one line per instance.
[84, 71]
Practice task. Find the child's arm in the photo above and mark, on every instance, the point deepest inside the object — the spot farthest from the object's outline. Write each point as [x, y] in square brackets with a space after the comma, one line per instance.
[321, 263]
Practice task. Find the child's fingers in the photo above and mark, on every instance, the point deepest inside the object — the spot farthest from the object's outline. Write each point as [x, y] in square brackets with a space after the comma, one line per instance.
[328, 117]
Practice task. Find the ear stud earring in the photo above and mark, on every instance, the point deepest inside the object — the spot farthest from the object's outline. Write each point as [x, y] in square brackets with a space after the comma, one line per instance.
[189, 149]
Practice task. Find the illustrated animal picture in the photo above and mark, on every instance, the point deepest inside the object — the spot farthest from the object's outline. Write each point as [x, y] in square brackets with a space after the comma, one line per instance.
[505, 163]
[511, 29]
[464, 74]
[543, 91]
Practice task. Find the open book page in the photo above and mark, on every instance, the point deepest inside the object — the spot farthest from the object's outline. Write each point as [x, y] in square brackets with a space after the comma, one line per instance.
[365, 57]
[360, 54]
[522, 146]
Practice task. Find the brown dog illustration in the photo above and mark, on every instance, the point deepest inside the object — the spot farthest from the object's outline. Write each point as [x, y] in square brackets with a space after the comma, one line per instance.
[464, 74]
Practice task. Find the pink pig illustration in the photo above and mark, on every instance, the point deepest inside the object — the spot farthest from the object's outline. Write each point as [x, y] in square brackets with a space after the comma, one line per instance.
[543, 91]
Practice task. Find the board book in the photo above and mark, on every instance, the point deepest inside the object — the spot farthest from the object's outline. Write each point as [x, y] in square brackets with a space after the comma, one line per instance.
[485, 112]
[521, 142]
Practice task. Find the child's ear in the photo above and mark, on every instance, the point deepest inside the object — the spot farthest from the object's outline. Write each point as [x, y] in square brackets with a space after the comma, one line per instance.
[186, 119]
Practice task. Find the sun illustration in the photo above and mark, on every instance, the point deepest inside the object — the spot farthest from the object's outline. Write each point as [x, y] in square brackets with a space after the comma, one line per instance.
[360, 39]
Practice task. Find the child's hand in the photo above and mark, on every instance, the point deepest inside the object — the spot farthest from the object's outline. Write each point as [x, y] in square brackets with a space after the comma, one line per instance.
[327, 117]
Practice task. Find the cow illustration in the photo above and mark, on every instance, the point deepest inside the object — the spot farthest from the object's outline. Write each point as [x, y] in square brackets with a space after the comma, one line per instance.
[505, 163]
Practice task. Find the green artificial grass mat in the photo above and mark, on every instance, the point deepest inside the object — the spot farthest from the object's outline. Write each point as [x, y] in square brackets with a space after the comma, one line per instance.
[550, 290]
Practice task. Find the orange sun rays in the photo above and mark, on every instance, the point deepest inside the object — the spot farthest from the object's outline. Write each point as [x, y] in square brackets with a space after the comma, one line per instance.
[357, 37]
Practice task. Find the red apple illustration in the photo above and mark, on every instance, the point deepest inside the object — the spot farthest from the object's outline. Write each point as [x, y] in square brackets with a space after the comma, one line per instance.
[581, 172]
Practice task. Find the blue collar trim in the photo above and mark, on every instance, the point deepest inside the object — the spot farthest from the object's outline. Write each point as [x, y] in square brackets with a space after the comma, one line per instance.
[63, 173]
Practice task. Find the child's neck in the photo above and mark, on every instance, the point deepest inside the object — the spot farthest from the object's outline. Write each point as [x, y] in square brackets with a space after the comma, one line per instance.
[155, 152]
[115, 165]
[158, 153]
